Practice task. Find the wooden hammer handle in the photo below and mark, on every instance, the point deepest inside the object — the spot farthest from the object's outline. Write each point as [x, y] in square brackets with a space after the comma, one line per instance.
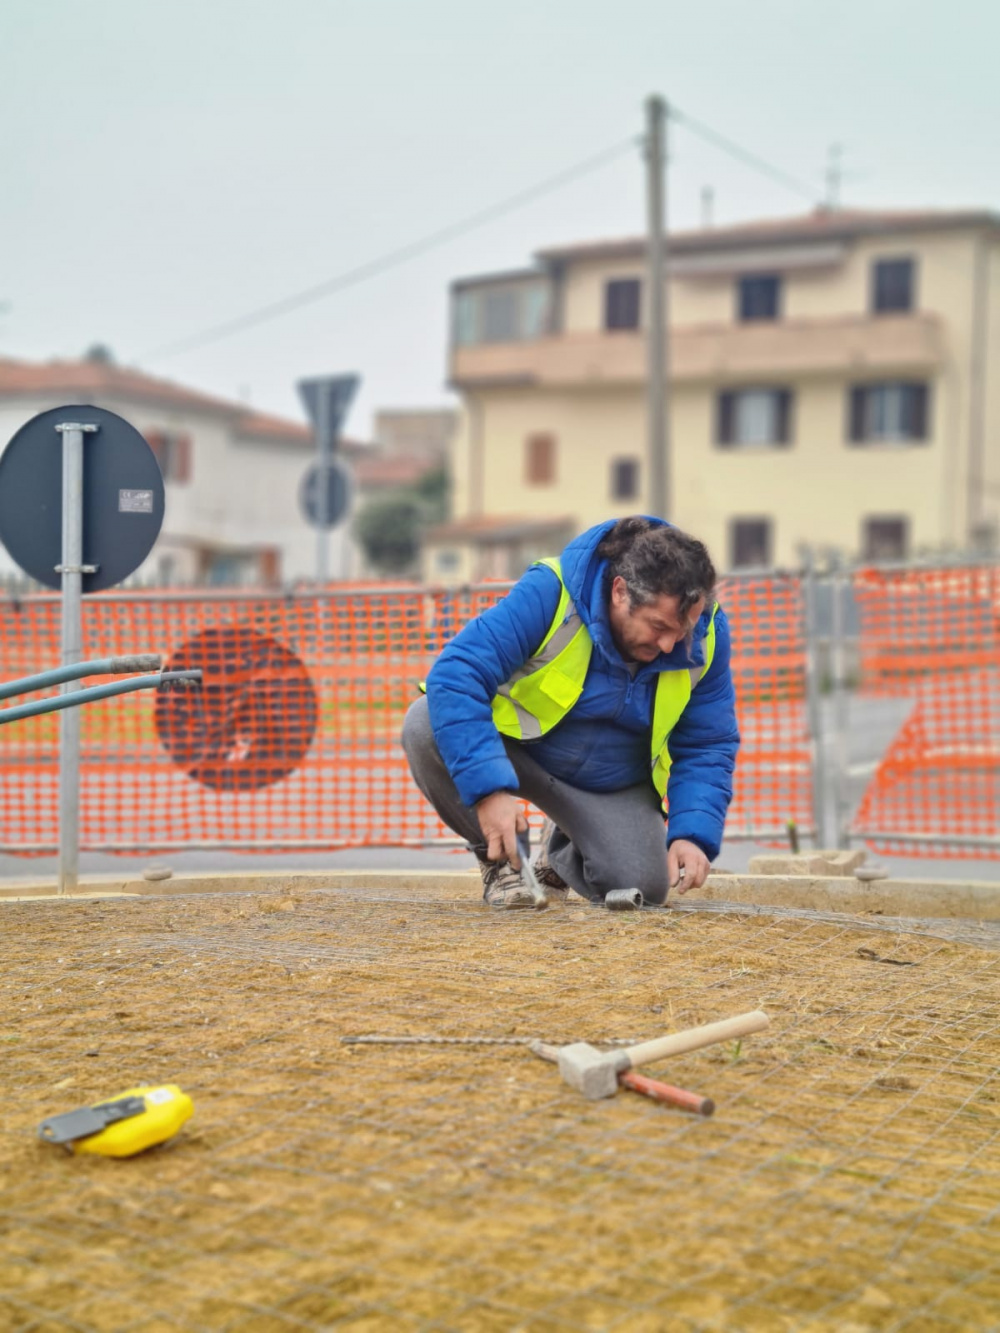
[693, 1039]
[649, 1087]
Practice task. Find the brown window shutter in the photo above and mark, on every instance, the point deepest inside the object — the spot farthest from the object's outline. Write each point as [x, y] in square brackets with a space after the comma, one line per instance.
[270, 566]
[182, 456]
[156, 442]
[540, 460]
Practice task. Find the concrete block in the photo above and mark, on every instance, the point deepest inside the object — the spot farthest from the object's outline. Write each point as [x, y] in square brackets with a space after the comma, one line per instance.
[825, 863]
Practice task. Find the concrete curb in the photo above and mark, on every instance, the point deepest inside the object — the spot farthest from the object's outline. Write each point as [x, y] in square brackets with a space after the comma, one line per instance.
[968, 899]
[977, 900]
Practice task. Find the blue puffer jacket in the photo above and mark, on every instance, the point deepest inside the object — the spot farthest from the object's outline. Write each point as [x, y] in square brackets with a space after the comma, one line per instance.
[603, 743]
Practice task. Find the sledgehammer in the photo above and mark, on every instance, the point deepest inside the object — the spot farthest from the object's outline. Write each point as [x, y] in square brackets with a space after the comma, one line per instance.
[596, 1073]
[658, 1092]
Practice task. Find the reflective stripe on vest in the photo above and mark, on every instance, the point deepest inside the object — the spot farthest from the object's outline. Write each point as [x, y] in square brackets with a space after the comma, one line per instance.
[541, 692]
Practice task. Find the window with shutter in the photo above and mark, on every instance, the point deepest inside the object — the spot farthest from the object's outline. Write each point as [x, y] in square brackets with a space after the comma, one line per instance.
[892, 286]
[621, 304]
[624, 478]
[750, 543]
[540, 460]
[759, 297]
[894, 410]
[885, 537]
[746, 417]
[172, 451]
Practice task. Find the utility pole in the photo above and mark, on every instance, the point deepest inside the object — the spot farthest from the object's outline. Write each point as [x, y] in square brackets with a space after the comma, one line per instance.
[658, 399]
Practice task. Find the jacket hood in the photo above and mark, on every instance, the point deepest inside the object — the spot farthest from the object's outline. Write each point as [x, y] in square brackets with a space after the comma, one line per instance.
[584, 571]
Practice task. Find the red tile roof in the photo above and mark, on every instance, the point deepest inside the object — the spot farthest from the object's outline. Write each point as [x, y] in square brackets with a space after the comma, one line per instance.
[96, 379]
[823, 224]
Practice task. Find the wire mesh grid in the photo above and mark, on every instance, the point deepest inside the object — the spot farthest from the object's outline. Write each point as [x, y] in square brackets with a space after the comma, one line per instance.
[848, 1180]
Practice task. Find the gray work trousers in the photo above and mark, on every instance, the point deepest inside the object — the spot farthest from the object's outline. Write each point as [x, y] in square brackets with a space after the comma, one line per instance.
[602, 841]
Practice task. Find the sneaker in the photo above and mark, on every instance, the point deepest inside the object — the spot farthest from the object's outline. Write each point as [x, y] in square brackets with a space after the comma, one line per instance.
[503, 885]
[554, 886]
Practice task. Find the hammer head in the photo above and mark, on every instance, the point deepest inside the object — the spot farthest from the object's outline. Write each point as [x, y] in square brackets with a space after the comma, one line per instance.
[590, 1071]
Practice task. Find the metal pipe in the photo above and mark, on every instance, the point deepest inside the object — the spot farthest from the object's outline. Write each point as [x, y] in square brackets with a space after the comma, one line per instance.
[813, 711]
[72, 699]
[101, 666]
[840, 720]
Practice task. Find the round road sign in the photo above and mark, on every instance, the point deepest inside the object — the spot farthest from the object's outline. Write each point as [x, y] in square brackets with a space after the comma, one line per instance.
[122, 497]
[338, 494]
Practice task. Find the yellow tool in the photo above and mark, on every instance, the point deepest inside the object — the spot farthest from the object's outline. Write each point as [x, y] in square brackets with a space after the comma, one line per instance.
[127, 1124]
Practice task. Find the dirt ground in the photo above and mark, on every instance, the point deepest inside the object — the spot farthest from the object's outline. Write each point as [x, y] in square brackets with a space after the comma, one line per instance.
[848, 1180]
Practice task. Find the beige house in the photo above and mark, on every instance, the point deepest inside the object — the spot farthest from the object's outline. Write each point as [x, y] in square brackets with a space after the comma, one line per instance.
[830, 385]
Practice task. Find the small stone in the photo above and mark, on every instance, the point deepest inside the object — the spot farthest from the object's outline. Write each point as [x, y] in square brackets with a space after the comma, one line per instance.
[868, 874]
[155, 872]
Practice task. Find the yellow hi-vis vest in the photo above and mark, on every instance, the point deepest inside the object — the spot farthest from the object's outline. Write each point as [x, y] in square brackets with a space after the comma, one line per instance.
[541, 693]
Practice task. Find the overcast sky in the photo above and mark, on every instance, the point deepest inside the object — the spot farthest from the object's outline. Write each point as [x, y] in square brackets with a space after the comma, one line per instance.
[169, 167]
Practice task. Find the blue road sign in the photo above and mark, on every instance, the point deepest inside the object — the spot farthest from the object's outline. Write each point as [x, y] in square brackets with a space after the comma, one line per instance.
[338, 494]
[327, 399]
[122, 497]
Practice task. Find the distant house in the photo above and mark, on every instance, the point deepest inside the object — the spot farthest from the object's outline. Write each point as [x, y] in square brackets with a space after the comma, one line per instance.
[232, 475]
[834, 382]
[416, 432]
[409, 445]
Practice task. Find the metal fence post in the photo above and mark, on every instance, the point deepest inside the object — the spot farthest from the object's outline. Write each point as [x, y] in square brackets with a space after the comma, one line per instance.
[840, 581]
[813, 711]
[72, 570]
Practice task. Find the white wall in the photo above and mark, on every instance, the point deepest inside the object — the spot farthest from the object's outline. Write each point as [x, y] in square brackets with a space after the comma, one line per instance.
[241, 492]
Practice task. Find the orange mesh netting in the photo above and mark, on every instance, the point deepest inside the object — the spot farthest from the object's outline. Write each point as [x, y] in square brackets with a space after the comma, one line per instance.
[933, 637]
[292, 743]
[774, 769]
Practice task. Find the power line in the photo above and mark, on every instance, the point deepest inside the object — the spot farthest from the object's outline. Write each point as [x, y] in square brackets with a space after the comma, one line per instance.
[364, 272]
[393, 258]
[744, 155]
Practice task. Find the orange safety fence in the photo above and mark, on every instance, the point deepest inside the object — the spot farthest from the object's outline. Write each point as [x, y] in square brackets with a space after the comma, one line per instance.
[774, 770]
[932, 637]
[293, 742]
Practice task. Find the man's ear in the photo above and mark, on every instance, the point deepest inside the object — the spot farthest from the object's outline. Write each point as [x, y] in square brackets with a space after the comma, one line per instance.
[619, 591]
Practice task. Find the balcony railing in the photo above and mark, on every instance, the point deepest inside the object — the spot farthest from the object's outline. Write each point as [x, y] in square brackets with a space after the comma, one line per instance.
[857, 344]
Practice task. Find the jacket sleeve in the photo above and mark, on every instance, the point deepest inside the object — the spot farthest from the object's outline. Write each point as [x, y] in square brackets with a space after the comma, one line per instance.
[462, 682]
[703, 748]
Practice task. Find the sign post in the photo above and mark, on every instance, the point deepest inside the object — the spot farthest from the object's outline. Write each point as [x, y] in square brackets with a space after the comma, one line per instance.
[327, 400]
[79, 529]
[71, 572]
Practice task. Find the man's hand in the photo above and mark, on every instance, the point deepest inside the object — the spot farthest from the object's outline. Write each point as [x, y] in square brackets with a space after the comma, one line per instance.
[687, 866]
[501, 819]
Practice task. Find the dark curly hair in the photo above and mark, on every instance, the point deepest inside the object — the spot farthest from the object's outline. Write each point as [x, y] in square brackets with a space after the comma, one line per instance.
[655, 559]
